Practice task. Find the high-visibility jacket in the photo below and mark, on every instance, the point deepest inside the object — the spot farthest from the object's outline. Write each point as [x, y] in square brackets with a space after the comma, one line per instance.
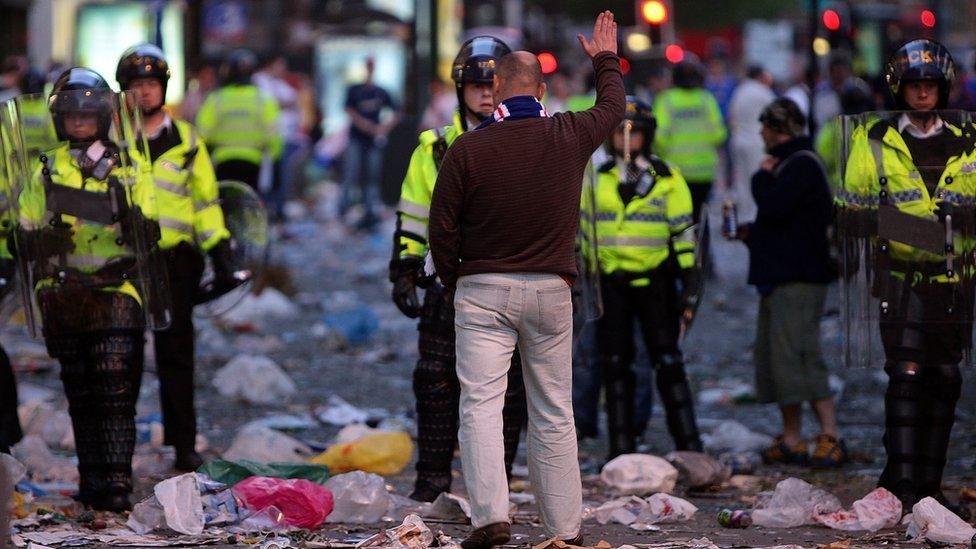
[418, 188]
[878, 151]
[827, 145]
[638, 237]
[240, 123]
[95, 244]
[689, 129]
[34, 119]
[186, 193]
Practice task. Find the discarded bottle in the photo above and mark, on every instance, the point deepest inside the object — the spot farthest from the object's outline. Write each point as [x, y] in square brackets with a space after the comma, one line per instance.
[730, 219]
[734, 519]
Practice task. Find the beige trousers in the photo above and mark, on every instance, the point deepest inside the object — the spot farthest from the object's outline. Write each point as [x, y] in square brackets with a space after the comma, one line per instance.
[496, 312]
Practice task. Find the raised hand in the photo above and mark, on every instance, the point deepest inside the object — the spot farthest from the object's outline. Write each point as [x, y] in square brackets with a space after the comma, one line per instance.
[604, 36]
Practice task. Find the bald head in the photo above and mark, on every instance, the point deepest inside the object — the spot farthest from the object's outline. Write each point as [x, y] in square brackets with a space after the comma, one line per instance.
[518, 73]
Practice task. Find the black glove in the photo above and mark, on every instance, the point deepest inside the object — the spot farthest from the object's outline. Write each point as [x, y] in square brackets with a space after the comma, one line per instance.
[690, 292]
[226, 276]
[404, 272]
[143, 226]
[48, 241]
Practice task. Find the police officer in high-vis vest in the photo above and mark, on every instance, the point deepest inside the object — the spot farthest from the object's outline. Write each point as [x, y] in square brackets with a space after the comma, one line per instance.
[646, 247]
[191, 223]
[906, 221]
[87, 230]
[239, 122]
[690, 130]
[10, 431]
[435, 380]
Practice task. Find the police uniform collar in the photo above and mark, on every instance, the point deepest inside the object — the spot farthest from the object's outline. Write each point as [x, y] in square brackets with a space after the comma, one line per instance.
[166, 126]
[905, 123]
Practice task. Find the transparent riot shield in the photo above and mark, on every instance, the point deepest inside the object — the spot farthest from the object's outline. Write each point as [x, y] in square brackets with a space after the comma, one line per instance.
[9, 298]
[587, 303]
[86, 222]
[247, 221]
[695, 291]
[907, 236]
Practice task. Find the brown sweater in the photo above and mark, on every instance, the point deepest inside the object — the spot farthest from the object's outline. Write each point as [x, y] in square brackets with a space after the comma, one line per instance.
[507, 196]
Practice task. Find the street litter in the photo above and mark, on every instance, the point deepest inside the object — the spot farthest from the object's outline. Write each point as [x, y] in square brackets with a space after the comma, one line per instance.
[729, 393]
[643, 514]
[182, 507]
[449, 506]
[639, 474]
[932, 521]
[359, 497]
[266, 446]
[879, 509]
[794, 503]
[302, 503]
[356, 325]
[286, 422]
[254, 309]
[698, 470]
[732, 436]
[42, 465]
[232, 472]
[411, 534]
[52, 425]
[383, 453]
[737, 518]
[254, 379]
[336, 411]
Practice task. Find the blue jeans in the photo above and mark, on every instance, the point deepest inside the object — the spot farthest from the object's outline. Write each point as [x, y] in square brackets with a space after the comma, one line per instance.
[286, 172]
[355, 188]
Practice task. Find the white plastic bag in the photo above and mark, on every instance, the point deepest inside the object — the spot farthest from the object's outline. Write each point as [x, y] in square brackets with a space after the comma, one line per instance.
[795, 503]
[732, 436]
[663, 509]
[256, 309]
[266, 446]
[42, 465]
[697, 470]
[639, 474]
[180, 499]
[879, 509]
[359, 497]
[53, 426]
[932, 521]
[448, 506]
[146, 516]
[255, 379]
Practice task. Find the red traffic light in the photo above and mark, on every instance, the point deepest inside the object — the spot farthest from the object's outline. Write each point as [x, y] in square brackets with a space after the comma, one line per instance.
[654, 12]
[624, 66]
[928, 18]
[674, 53]
[548, 62]
[831, 20]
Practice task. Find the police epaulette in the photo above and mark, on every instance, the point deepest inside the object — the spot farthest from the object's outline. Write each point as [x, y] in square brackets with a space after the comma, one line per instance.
[660, 166]
[607, 166]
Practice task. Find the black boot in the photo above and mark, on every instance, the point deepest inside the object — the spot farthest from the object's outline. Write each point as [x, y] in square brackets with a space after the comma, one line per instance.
[902, 431]
[10, 432]
[84, 417]
[514, 413]
[619, 383]
[679, 404]
[942, 388]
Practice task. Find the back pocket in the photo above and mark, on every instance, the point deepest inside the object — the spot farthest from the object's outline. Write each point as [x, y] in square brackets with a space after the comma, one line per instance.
[480, 305]
[555, 310]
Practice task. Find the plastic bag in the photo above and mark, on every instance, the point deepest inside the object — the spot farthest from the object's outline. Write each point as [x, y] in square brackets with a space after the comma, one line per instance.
[53, 426]
[380, 453]
[639, 474]
[253, 310]
[359, 497]
[16, 470]
[255, 379]
[42, 465]
[663, 509]
[732, 436]
[879, 509]
[449, 506]
[146, 516]
[697, 470]
[932, 521]
[355, 325]
[795, 503]
[180, 499]
[232, 472]
[266, 446]
[302, 503]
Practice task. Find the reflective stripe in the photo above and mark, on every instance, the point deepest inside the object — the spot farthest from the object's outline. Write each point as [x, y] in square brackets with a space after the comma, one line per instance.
[646, 218]
[687, 235]
[418, 228]
[680, 220]
[175, 225]
[207, 235]
[200, 206]
[90, 261]
[632, 241]
[412, 208]
[174, 188]
[606, 216]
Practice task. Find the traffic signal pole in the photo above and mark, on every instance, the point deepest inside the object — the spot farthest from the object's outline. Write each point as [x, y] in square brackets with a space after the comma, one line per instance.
[814, 71]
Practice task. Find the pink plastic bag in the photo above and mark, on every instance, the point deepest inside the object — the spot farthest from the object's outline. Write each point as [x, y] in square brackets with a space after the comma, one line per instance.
[304, 503]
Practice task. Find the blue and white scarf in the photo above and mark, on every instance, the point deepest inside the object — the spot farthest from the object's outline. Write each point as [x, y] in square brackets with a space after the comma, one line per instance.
[515, 108]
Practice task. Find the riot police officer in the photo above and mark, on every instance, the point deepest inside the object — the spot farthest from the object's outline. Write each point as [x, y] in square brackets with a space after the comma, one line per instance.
[87, 229]
[906, 219]
[191, 222]
[645, 233]
[435, 380]
[239, 122]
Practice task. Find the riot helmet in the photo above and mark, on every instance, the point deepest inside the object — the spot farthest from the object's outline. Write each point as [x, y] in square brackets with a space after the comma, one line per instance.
[238, 67]
[33, 82]
[142, 61]
[641, 116]
[688, 74]
[475, 63]
[81, 90]
[918, 60]
[783, 115]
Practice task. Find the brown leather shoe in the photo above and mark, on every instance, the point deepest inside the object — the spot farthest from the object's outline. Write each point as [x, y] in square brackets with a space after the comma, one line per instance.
[488, 536]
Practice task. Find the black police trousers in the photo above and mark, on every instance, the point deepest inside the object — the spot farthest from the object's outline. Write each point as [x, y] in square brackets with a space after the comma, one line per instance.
[10, 432]
[436, 387]
[654, 306]
[925, 335]
[101, 372]
[175, 347]
[239, 170]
